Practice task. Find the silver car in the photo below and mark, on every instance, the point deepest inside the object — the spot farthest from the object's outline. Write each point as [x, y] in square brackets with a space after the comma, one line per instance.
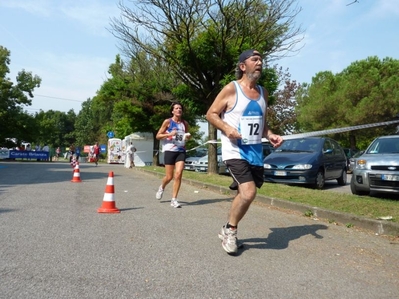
[352, 161]
[377, 169]
[202, 164]
[191, 161]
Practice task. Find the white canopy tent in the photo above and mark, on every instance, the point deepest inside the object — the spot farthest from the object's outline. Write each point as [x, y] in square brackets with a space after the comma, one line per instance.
[144, 143]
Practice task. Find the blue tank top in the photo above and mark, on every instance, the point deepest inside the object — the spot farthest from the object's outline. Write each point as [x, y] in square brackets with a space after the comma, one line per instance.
[177, 142]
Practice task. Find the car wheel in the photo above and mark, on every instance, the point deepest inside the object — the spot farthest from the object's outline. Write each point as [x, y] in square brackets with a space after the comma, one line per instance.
[355, 190]
[343, 179]
[320, 180]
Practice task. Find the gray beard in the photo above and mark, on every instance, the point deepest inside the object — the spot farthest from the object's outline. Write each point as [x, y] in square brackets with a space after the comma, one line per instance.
[253, 76]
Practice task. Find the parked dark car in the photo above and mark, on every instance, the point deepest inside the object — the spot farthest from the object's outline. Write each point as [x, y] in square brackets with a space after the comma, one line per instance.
[377, 169]
[267, 149]
[310, 160]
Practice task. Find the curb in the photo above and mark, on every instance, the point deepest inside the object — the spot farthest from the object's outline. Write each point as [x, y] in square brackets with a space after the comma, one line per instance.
[381, 227]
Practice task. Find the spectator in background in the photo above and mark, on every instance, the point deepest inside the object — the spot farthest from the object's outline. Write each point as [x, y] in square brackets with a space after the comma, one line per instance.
[57, 153]
[28, 149]
[130, 155]
[91, 153]
[37, 149]
[46, 148]
[77, 153]
[71, 151]
[96, 153]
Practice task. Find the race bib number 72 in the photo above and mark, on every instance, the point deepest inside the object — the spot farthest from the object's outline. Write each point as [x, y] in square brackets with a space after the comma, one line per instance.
[251, 129]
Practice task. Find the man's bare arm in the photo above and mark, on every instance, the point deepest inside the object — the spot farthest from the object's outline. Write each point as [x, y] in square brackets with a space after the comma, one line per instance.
[223, 102]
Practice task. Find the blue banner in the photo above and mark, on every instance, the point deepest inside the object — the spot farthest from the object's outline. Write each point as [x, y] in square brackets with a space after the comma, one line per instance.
[4, 153]
[29, 155]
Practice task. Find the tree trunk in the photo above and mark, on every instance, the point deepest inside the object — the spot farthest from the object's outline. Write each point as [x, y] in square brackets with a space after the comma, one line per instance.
[352, 141]
[156, 150]
[212, 149]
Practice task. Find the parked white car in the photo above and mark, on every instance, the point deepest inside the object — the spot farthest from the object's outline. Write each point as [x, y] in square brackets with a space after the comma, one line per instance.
[202, 164]
[191, 161]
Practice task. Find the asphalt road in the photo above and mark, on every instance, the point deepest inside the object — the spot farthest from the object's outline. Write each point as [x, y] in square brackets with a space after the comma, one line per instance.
[332, 185]
[54, 244]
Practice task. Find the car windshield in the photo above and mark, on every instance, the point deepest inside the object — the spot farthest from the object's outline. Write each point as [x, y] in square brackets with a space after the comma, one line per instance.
[197, 153]
[384, 146]
[219, 153]
[300, 145]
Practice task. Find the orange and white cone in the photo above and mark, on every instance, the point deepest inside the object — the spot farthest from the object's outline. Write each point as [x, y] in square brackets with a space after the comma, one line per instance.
[108, 205]
[76, 174]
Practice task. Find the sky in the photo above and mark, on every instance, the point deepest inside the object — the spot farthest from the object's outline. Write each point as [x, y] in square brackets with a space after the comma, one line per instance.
[68, 43]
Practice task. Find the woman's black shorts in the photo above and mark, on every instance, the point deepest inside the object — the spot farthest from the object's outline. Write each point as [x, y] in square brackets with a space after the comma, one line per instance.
[170, 158]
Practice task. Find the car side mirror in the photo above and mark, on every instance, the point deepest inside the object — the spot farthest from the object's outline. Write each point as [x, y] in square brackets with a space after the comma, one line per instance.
[328, 151]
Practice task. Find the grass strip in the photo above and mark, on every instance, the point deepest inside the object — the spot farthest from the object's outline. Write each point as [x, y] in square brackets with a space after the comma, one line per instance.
[365, 206]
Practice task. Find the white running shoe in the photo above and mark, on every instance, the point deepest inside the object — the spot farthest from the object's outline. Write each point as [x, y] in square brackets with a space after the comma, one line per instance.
[229, 239]
[174, 203]
[159, 193]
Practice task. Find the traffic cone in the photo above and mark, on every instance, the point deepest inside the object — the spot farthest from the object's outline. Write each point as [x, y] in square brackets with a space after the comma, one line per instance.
[76, 174]
[108, 205]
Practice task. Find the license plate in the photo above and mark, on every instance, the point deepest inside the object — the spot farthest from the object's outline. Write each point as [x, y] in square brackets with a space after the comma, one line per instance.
[202, 168]
[187, 167]
[280, 173]
[389, 177]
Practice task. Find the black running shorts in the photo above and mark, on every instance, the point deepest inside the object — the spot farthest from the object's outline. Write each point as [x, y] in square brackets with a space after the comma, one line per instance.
[243, 172]
[170, 158]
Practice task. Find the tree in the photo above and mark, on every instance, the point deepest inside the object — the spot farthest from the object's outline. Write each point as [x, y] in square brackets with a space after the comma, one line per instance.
[367, 91]
[13, 121]
[138, 95]
[55, 128]
[201, 40]
[128, 96]
[85, 132]
[281, 113]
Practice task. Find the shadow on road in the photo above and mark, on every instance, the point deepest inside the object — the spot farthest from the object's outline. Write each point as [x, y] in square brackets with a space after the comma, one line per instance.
[129, 209]
[7, 210]
[280, 237]
[205, 201]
